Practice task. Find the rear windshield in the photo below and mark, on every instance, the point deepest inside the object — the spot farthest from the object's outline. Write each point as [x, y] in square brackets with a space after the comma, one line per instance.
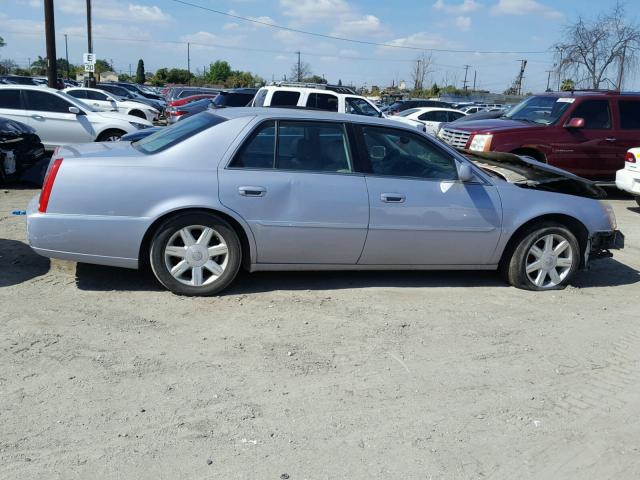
[170, 136]
[233, 99]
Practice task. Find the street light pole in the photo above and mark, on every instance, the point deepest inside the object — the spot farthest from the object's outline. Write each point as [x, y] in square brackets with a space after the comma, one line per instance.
[50, 35]
[66, 53]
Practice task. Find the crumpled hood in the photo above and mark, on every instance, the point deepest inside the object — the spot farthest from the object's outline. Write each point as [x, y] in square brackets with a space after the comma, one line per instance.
[527, 172]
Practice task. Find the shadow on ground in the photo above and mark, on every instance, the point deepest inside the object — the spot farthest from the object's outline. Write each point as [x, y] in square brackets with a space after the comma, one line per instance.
[18, 263]
[606, 272]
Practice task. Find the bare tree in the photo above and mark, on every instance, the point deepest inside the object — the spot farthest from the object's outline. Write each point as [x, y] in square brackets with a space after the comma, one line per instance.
[300, 71]
[420, 71]
[592, 50]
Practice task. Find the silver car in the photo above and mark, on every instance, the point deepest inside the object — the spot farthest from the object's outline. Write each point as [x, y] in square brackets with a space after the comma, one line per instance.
[282, 189]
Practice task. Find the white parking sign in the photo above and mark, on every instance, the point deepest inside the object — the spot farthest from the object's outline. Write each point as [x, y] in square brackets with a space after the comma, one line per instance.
[89, 58]
[89, 67]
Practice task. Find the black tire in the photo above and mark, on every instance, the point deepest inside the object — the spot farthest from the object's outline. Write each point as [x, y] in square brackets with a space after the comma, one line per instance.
[514, 264]
[169, 232]
[638, 200]
[110, 135]
[138, 113]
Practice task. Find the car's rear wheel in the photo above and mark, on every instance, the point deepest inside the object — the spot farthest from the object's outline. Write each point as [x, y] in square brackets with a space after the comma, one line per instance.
[638, 200]
[112, 135]
[546, 257]
[195, 254]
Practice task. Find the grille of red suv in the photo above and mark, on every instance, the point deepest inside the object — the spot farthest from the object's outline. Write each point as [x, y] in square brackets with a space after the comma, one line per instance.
[455, 138]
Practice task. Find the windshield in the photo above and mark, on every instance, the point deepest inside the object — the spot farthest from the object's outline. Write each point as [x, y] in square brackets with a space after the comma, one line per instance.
[408, 112]
[542, 109]
[77, 103]
[170, 136]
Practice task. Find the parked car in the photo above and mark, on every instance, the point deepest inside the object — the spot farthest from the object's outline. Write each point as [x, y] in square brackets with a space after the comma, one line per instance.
[431, 117]
[19, 80]
[60, 119]
[628, 178]
[176, 93]
[175, 114]
[331, 98]
[383, 196]
[235, 97]
[139, 134]
[401, 105]
[482, 115]
[473, 109]
[192, 98]
[103, 101]
[134, 87]
[20, 149]
[586, 132]
[132, 96]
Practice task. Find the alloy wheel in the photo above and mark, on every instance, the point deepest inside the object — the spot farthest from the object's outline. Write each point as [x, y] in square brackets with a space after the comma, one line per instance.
[196, 255]
[549, 261]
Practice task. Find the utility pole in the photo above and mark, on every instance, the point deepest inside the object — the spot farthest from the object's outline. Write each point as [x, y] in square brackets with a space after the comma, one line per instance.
[464, 84]
[549, 79]
[66, 54]
[50, 35]
[189, 62]
[621, 69]
[130, 75]
[475, 72]
[92, 81]
[299, 72]
[561, 50]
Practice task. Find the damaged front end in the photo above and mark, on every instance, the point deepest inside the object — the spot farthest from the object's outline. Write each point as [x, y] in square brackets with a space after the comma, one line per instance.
[527, 172]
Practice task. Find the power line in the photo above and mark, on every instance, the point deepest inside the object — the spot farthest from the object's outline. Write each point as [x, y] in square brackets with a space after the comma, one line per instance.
[345, 39]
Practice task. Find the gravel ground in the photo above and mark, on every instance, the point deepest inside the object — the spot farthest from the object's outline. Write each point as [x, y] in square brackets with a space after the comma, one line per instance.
[434, 375]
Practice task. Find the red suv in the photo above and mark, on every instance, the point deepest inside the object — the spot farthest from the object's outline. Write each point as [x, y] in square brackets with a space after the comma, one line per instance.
[587, 133]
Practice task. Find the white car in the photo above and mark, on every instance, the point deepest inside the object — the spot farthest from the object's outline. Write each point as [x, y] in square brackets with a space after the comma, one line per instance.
[330, 98]
[107, 102]
[60, 119]
[473, 109]
[628, 179]
[431, 117]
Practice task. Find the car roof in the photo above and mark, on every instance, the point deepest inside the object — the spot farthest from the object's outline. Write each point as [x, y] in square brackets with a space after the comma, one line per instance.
[299, 114]
[432, 109]
[292, 88]
[39, 88]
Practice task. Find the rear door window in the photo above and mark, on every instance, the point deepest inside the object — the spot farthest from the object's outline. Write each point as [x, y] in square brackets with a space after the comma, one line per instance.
[434, 116]
[46, 102]
[323, 101]
[78, 93]
[629, 114]
[313, 146]
[359, 106]
[260, 98]
[97, 96]
[285, 98]
[596, 114]
[10, 99]
[259, 150]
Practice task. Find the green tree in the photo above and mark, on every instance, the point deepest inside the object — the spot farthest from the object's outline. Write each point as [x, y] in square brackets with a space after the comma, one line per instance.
[567, 85]
[178, 75]
[218, 72]
[7, 66]
[125, 77]
[39, 66]
[140, 77]
[61, 65]
[435, 90]
[314, 79]
[2, 42]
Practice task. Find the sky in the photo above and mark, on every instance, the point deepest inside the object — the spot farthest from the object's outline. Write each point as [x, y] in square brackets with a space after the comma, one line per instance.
[158, 31]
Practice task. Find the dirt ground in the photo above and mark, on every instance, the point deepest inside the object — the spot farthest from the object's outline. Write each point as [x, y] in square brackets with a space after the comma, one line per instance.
[104, 375]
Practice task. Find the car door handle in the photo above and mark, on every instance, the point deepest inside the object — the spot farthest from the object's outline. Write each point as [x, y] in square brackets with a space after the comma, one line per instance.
[392, 197]
[610, 139]
[37, 117]
[252, 191]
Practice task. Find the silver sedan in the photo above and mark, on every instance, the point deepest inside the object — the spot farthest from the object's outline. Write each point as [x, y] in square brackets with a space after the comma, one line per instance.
[281, 189]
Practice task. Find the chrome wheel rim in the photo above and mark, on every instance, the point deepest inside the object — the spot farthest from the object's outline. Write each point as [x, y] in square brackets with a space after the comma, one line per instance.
[112, 138]
[196, 255]
[549, 261]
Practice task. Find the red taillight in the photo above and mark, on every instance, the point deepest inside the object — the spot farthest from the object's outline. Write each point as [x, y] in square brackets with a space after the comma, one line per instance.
[176, 113]
[630, 157]
[49, 178]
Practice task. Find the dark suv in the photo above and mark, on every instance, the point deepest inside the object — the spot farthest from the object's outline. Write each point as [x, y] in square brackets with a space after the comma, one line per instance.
[401, 105]
[585, 132]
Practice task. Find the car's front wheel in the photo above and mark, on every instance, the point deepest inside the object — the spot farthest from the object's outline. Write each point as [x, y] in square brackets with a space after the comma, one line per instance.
[546, 257]
[112, 135]
[195, 254]
[638, 200]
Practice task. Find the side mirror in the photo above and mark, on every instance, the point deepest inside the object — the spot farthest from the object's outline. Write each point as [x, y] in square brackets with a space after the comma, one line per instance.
[465, 174]
[75, 110]
[575, 122]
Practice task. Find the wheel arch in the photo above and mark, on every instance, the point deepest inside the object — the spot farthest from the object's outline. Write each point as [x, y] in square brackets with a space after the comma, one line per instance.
[573, 224]
[244, 235]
